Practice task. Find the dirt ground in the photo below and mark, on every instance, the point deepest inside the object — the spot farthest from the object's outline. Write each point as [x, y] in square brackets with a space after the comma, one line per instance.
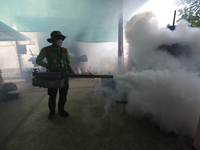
[24, 124]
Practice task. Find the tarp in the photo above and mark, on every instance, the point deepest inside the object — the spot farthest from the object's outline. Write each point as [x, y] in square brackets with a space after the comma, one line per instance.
[79, 20]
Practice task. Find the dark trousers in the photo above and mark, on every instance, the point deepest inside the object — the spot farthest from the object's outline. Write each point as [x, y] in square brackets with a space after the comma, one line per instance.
[52, 92]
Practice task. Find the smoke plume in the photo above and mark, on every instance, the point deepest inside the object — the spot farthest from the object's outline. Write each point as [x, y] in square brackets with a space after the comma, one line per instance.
[157, 82]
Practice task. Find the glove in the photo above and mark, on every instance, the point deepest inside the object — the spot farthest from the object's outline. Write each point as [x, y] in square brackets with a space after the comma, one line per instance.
[70, 70]
[51, 68]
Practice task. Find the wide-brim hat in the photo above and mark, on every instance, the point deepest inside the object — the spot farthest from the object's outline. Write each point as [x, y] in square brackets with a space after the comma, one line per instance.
[56, 35]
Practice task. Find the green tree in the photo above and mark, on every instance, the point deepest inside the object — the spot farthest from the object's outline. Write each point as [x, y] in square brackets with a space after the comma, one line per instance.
[191, 12]
[182, 2]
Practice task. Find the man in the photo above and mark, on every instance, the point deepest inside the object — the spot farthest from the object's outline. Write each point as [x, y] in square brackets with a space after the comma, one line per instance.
[58, 60]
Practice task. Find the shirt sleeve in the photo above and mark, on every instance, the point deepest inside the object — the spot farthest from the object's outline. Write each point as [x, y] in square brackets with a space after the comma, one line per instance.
[40, 58]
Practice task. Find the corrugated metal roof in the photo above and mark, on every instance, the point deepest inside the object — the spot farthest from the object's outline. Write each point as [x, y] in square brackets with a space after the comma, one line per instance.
[9, 34]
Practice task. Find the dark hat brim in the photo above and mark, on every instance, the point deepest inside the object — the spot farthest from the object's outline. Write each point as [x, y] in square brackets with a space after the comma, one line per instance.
[50, 40]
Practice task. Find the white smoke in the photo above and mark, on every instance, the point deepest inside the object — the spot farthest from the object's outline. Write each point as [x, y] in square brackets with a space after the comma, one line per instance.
[158, 83]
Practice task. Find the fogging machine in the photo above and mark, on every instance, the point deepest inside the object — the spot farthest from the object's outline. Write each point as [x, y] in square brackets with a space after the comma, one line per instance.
[57, 79]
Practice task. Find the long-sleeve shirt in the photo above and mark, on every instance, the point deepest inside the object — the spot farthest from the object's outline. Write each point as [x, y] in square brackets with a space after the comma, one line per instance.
[53, 58]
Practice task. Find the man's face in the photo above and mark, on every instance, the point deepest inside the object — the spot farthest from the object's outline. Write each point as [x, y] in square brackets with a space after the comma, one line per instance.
[58, 41]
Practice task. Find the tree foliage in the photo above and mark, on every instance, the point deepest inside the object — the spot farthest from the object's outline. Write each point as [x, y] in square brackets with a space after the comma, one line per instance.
[182, 2]
[191, 12]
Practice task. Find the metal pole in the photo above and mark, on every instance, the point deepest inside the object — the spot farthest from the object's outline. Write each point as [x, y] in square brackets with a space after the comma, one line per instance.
[1, 78]
[120, 37]
[19, 60]
[174, 18]
[173, 26]
[59, 75]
